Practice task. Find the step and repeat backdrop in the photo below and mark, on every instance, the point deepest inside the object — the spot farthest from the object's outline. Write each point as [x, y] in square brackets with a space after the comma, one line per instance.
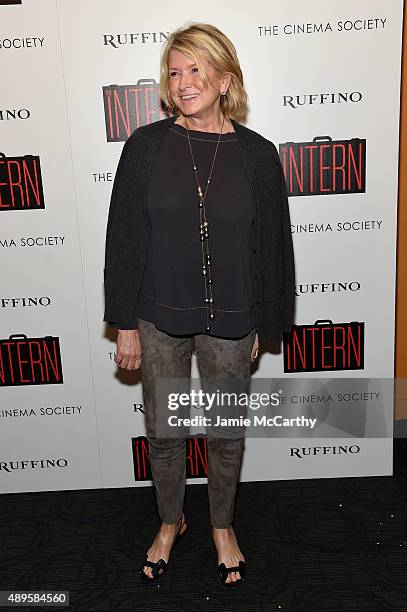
[323, 80]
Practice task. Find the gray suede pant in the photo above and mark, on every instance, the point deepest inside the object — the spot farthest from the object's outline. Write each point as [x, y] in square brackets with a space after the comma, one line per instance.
[169, 356]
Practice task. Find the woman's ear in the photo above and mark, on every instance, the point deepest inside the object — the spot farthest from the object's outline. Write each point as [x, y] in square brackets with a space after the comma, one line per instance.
[226, 79]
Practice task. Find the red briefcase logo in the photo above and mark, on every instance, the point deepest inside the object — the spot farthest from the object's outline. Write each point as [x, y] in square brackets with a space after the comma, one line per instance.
[127, 107]
[324, 166]
[196, 458]
[21, 183]
[324, 346]
[30, 361]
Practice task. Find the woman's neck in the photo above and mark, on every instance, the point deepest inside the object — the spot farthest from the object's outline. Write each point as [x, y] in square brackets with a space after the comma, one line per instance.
[205, 125]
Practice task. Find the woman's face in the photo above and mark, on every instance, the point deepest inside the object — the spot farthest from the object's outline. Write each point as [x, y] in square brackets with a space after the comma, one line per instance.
[189, 93]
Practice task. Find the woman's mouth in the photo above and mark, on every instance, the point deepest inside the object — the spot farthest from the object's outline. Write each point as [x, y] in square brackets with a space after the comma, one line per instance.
[188, 97]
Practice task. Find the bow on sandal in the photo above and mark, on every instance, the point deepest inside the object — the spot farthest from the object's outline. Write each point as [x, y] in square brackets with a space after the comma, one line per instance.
[224, 571]
[160, 567]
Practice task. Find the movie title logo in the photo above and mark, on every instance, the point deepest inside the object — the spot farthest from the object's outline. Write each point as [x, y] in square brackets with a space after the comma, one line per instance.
[127, 107]
[21, 183]
[321, 98]
[196, 458]
[7, 114]
[324, 346]
[324, 166]
[118, 40]
[5, 2]
[30, 361]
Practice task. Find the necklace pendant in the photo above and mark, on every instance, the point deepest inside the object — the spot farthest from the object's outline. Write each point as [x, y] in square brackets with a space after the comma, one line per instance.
[204, 230]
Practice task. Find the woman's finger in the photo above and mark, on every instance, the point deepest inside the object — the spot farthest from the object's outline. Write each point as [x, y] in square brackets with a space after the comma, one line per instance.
[124, 362]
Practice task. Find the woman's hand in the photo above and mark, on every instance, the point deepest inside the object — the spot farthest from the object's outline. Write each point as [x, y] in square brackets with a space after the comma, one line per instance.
[255, 348]
[128, 353]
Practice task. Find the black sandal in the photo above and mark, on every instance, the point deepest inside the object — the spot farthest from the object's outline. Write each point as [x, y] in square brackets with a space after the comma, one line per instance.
[160, 567]
[224, 571]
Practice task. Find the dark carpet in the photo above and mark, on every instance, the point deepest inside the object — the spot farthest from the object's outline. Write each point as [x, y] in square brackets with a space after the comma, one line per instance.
[325, 545]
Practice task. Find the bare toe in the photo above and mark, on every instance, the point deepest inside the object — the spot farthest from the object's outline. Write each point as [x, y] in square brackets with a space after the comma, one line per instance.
[229, 552]
[147, 571]
[161, 548]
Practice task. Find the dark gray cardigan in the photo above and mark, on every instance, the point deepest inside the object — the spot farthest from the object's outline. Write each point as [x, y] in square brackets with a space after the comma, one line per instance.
[128, 230]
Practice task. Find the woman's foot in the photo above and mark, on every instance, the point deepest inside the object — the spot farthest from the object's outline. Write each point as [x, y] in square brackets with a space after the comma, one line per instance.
[228, 550]
[163, 542]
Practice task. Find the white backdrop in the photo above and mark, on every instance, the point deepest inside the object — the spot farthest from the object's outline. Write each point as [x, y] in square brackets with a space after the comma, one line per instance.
[55, 59]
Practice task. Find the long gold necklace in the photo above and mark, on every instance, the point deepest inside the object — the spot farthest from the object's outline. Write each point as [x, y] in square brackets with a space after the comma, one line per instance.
[204, 231]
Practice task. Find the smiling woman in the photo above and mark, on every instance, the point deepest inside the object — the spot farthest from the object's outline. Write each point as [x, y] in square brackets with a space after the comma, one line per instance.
[198, 256]
[200, 62]
[189, 91]
[194, 94]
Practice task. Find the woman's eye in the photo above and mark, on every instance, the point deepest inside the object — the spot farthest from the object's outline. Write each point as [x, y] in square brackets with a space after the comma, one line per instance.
[194, 69]
[173, 74]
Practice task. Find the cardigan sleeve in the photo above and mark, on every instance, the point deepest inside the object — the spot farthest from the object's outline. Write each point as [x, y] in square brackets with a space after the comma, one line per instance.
[288, 253]
[284, 295]
[118, 235]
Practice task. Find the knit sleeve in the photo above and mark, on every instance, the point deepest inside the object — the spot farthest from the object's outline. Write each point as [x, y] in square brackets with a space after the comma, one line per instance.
[120, 232]
[131, 325]
[288, 253]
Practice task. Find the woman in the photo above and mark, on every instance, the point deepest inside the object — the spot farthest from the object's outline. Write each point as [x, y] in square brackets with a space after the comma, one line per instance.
[198, 254]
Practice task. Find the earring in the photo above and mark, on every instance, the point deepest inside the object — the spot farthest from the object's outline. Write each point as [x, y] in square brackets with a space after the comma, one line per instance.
[223, 93]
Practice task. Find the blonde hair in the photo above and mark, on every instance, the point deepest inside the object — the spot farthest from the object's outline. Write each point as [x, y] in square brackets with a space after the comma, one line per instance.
[202, 40]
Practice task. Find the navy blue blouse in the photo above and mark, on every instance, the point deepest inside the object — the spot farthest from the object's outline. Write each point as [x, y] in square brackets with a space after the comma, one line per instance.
[172, 293]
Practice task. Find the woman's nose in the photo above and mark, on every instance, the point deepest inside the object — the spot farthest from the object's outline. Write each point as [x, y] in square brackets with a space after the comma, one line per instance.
[184, 82]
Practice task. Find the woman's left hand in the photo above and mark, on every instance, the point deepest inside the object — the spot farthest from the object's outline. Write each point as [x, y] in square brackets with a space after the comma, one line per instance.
[255, 348]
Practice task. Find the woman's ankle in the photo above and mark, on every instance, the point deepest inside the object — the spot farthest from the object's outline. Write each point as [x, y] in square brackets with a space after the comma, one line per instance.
[173, 524]
[229, 528]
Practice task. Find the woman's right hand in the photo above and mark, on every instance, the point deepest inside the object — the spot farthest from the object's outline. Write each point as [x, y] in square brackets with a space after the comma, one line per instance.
[128, 353]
